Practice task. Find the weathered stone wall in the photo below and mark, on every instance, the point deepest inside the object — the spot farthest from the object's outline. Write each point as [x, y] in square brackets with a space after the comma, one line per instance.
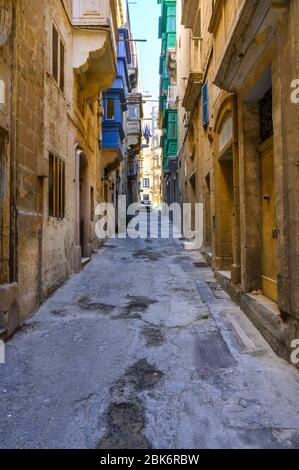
[58, 234]
[285, 69]
[6, 52]
[234, 197]
[9, 314]
[38, 253]
[69, 125]
[29, 90]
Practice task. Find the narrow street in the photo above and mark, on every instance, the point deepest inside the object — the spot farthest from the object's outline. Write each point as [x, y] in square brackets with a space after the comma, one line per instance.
[168, 362]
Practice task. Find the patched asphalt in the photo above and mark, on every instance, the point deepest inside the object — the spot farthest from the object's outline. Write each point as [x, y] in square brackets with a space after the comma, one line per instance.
[138, 351]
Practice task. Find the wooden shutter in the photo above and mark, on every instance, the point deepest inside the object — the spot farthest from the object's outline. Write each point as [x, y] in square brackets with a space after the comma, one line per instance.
[63, 190]
[55, 46]
[160, 27]
[51, 186]
[56, 187]
[62, 65]
[205, 104]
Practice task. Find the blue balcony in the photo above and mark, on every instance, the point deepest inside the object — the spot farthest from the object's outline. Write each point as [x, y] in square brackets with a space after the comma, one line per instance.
[113, 136]
[115, 104]
[112, 129]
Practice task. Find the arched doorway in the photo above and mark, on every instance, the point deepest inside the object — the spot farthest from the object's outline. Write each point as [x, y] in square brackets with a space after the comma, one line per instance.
[84, 204]
[226, 226]
[82, 216]
[193, 172]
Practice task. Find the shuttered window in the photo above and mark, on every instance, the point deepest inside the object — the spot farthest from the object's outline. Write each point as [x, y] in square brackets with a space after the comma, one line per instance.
[55, 47]
[160, 27]
[61, 81]
[92, 210]
[56, 187]
[205, 104]
[58, 59]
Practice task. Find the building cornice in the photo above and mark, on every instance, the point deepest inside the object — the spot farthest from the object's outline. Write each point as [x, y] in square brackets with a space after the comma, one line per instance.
[253, 29]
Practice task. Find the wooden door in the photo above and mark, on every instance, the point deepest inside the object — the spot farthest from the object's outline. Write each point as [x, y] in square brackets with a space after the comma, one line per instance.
[269, 225]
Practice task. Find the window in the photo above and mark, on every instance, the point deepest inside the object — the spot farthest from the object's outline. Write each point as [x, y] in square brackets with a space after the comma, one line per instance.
[160, 26]
[172, 131]
[56, 187]
[205, 104]
[133, 112]
[226, 132]
[62, 54]
[55, 43]
[146, 182]
[266, 117]
[81, 101]
[92, 204]
[110, 109]
[171, 24]
[58, 59]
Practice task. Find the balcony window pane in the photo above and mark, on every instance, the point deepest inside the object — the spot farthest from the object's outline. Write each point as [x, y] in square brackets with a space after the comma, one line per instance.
[110, 109]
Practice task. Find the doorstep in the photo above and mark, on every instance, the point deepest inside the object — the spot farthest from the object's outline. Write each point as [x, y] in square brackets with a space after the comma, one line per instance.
[84, 262]
[209, 258]
[226, 274]
[3, 334]
[9, 309]
[265, 315]
[224, 278]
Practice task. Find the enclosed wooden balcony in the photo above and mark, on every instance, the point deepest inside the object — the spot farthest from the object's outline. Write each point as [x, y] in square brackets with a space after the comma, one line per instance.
[195, 77]
[94, 45]
[191, 16]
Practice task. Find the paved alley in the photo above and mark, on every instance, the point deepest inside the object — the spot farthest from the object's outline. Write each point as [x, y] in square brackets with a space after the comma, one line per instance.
[142, 349]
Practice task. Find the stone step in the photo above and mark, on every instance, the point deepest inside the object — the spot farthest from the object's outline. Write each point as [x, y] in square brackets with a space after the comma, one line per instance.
[248, 344]
[84, 262]
[3, 333]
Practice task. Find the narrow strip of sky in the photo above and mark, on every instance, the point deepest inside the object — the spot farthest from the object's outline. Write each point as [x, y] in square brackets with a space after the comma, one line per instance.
[144, 23]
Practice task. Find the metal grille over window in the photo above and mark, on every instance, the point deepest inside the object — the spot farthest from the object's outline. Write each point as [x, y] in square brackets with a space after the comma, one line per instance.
[58, 59]
[266, 119]
[55, 60]
[205, 105]
[56, 187]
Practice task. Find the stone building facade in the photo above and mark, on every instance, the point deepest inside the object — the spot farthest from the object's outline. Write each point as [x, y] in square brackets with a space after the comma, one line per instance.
[168, 113]
[56, 60]
[150, 172]
[238, 150]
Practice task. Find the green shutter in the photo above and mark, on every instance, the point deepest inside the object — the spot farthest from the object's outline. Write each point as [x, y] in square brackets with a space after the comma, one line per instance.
[160, 26]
